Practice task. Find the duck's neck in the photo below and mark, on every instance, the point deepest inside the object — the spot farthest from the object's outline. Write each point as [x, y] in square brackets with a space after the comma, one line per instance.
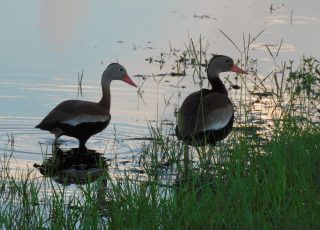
[105, 101]
[217, 85]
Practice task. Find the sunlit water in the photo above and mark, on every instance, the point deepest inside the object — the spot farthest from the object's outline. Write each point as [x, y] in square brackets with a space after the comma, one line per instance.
[44, 45]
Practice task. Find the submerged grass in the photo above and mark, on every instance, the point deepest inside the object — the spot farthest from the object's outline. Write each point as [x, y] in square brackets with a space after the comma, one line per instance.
[253, 181]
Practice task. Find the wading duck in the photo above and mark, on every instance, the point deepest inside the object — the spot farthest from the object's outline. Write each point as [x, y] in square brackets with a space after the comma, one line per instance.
[82, 119]
[206, 116]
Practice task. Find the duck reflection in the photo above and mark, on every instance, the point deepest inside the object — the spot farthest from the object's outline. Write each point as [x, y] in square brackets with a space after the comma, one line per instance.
[73, 167]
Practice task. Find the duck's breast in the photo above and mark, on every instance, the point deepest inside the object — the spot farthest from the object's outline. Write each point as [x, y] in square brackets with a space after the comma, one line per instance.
[216, 112]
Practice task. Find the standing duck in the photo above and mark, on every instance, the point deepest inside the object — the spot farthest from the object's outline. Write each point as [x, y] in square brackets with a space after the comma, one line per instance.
[206, 116]
[82, 119]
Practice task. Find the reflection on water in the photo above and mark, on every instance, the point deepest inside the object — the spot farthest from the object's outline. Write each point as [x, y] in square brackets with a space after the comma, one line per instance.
[59, 20]
[72, 167]
[284, 47]
[297, 20]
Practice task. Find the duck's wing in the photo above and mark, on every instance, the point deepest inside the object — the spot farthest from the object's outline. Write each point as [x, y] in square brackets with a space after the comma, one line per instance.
[215, 112]
[187, 118]
[203, 111]
[74, 112]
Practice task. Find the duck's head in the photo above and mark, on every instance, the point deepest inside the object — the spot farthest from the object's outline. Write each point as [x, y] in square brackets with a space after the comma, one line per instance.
[221, 63]
[116, 71]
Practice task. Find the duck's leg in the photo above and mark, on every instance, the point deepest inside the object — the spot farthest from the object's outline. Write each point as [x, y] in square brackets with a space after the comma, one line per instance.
[82, 145]
[186, 159]
[55, 142]
[57, 133]
[211, 157]
[55, 145]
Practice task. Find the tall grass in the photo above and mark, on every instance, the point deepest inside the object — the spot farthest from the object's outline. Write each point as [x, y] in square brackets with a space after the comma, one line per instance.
[276, 186]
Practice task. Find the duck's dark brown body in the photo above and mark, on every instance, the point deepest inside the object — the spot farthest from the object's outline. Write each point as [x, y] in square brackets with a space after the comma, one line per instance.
[194, 106]
[82, 119]
[206, 116]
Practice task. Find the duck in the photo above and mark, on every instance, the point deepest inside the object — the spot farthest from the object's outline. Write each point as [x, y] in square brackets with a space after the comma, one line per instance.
[82, 119]
[207, 116]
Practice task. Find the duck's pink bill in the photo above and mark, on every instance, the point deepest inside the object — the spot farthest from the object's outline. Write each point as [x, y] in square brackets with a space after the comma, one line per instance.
[237, 69]
[128, 80]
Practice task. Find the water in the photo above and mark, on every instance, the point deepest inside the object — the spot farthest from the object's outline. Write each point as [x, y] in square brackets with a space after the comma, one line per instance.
[45, 44]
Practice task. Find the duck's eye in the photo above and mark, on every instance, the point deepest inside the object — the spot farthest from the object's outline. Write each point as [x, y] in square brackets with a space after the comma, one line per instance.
[227, 61]
[121, 70]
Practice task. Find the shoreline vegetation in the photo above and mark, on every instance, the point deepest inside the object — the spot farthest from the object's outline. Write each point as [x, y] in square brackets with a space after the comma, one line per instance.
[265, 176]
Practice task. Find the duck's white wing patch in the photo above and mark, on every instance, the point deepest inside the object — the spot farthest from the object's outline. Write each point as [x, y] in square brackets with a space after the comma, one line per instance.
[84, 118]
[218, 118]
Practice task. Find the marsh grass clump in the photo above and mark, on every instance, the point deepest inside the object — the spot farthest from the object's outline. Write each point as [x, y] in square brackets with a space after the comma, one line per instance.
[274, 186]
[303, 86]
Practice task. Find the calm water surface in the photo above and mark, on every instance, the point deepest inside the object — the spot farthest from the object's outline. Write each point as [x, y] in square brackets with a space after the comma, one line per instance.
[44, 45]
